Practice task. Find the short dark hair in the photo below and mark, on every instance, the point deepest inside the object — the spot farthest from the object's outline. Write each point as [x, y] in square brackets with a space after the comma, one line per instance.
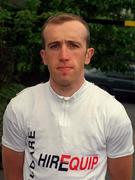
[60, 18]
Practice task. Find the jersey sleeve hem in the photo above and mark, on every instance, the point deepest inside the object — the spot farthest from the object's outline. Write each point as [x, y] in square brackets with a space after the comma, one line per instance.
[122, 155]
[8, 145]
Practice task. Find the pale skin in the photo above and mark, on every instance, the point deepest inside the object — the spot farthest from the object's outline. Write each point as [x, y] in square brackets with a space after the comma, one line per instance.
[65, 54]
[13, 164]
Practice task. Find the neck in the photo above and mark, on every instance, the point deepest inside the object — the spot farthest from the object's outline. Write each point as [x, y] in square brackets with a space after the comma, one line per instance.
[66, 90]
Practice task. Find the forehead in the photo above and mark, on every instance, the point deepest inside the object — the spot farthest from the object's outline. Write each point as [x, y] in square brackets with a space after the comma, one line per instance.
[67, 30]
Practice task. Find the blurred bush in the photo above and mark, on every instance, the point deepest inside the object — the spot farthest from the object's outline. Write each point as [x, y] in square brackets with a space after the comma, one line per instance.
[6, 93]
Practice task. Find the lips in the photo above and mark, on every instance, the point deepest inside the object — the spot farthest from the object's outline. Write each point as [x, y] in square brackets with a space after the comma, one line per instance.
[64, 68]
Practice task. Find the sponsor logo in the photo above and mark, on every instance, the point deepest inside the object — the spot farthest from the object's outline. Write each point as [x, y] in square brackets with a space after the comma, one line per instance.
[67, 162]
[63, 162]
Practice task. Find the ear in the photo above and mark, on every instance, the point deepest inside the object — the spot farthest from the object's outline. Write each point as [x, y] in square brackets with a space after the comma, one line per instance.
[43, 56]
[89, 54]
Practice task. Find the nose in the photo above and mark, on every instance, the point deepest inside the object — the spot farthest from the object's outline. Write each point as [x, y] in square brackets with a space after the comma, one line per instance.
[64, 53]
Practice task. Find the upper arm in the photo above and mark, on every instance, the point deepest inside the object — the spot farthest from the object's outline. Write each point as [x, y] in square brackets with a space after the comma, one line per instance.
[119, 142]
[120, 168]
[12, 163]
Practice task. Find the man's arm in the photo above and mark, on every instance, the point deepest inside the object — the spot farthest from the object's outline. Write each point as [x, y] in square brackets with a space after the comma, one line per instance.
[13, 164]
[120, 168]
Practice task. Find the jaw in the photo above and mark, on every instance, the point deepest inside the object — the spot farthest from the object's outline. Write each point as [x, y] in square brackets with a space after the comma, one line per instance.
[66, 85]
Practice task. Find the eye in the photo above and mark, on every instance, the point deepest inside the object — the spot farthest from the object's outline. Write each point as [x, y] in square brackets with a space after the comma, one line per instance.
[54, 46]
[73, 45]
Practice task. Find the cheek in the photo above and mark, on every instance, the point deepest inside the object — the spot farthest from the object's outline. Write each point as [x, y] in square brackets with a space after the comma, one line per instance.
[52, 64]
[50, 60]
[82, 59]
[79, 64]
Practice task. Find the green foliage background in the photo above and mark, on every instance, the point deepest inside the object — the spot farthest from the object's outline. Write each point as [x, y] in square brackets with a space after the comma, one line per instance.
[20, 26]
[20, 43]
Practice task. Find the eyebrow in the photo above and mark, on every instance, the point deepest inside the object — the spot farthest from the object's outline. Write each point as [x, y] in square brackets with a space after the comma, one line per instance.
[53, 42]
[59, 42]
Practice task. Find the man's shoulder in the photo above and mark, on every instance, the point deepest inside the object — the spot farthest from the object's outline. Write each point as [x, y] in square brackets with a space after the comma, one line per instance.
[98, 93]
[102, 98]
[29, 94]
[33, 89]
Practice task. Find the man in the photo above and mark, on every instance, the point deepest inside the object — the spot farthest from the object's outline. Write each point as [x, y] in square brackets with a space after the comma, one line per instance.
[66, 128]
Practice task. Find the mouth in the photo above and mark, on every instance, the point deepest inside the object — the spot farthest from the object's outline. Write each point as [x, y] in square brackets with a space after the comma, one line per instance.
[64, 68]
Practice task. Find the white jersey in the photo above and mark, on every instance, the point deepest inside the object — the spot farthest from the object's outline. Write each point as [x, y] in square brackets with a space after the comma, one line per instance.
[67, 137]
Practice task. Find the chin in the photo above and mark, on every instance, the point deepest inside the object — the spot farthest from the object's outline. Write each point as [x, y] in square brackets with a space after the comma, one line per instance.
[65, 83]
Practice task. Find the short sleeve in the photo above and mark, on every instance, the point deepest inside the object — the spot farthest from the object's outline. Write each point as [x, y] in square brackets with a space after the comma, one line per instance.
[13, 132]
[119, 133]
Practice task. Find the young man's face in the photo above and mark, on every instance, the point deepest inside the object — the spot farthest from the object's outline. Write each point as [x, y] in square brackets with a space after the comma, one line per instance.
[66, 53]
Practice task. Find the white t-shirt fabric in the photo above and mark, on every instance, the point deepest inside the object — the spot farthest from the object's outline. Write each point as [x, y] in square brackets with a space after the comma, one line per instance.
[67, 137]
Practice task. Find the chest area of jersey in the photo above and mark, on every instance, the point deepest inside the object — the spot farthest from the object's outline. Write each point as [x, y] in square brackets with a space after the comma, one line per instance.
[65, 138]
[66, 128]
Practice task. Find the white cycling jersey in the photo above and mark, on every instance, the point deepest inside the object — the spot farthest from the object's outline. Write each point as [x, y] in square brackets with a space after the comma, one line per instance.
[67, 137]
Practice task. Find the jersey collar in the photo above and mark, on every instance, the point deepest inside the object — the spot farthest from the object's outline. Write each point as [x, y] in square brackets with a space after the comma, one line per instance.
[76, 95]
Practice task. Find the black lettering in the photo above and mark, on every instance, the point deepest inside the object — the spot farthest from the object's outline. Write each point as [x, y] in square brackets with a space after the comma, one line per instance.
[32, 153]
[32, 165]
[48, 160]
[31, 134]
[32, 175]
[61, 168]
[55, 160]
[42, 159]
[31, 144]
